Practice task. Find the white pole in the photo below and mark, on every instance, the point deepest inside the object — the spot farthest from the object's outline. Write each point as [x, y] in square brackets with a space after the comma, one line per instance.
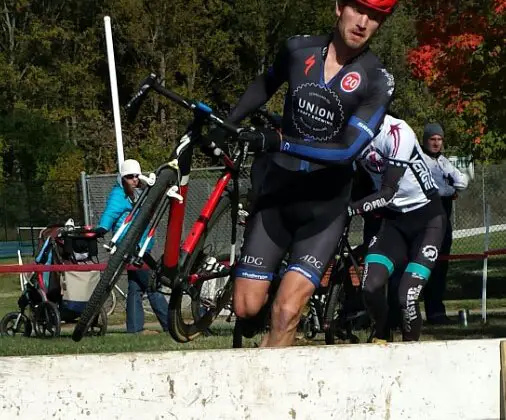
[22, 278]
[114, 90]
[485, 267]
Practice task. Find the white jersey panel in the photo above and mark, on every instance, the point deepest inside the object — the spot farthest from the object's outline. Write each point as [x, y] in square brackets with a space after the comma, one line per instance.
[396, 144]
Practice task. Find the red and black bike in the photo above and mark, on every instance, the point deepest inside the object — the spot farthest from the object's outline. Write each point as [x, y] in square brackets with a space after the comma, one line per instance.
[198, 269]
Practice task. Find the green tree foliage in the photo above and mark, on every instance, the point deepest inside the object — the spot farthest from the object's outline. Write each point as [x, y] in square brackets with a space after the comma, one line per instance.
[55, 102]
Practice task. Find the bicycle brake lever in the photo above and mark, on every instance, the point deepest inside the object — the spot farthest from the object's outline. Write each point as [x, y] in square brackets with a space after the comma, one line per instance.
[172, 193]
[150, 180]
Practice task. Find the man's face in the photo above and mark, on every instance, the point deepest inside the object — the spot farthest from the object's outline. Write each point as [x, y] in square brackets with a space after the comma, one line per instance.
[435, 143]
[357, 24]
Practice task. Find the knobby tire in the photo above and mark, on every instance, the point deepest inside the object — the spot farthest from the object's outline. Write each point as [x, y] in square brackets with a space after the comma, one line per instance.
[125, 249]
[179, 329]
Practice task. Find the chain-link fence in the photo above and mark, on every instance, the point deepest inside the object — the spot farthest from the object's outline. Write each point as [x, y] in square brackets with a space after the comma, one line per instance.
[202, 183]
[37, 205]
[485, 194]
[34, 204]
[480, 204]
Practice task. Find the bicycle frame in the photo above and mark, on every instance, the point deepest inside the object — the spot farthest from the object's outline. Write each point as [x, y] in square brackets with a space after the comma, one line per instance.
[175, 256]
[344, 249]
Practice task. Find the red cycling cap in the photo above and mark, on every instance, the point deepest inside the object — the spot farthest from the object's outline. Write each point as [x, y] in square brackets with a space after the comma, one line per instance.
[383, 6]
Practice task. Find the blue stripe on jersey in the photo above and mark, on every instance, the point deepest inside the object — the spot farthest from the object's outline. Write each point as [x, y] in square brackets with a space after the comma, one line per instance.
[362, 126]
[337, 154]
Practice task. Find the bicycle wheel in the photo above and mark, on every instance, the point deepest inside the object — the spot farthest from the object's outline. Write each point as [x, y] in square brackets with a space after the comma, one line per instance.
[191, 314]
[15, 323]
[333, 307]
[46, 320]
[345, 313]
[118, 261]
[98, 327]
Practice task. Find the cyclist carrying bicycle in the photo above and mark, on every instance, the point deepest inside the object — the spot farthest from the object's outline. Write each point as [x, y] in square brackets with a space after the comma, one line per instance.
[412, 228]
[338, 93]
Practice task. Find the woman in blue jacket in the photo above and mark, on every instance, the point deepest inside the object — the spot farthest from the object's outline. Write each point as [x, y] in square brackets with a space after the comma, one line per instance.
[119, 204]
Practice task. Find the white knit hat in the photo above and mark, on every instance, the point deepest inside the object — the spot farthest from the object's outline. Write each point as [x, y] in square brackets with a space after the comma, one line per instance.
[130, 167]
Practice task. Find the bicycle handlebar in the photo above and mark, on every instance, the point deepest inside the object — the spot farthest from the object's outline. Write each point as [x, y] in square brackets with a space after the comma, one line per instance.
[151, 82]
[133, 106]
[81, 232]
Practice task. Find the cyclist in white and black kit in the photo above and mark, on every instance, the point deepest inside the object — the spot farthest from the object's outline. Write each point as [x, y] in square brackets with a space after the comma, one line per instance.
[338, 93]
[412, 229]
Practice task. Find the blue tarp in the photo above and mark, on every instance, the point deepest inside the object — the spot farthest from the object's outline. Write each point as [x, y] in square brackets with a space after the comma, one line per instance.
[9, 249]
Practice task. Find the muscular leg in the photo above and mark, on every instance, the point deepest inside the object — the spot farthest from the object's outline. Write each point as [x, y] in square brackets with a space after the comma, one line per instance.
[374, 279]
[424, 252]
[313, 246]
[249, 296]
[293, 294]
[383, 256]
[260, 257]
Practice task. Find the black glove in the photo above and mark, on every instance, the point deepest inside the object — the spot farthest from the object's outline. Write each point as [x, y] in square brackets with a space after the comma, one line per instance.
[215, 141]
[450, 180]
[262, 140]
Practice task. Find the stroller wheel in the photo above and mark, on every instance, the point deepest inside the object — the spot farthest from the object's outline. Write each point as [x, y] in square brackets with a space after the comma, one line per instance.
[46, 318]
[15, 323]
[99, 325]
[110, 303]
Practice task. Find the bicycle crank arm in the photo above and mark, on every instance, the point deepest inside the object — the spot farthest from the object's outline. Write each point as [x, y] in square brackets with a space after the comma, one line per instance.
[194, 278]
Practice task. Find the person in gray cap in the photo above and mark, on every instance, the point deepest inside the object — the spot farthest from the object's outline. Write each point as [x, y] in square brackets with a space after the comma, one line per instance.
[449, 181]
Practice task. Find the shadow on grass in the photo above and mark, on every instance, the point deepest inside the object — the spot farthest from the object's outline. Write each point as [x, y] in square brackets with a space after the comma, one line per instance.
[495, 328]
[464, 280]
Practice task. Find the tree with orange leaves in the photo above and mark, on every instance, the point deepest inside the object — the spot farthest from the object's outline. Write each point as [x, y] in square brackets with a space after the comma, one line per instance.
[461, 57]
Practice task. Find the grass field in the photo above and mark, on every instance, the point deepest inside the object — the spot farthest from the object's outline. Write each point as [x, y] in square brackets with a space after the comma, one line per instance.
[463, 292]
[475, 243]
[119, 342]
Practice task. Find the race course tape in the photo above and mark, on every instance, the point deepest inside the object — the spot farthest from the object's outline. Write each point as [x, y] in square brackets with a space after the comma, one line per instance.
[428, 380]
[40, 268]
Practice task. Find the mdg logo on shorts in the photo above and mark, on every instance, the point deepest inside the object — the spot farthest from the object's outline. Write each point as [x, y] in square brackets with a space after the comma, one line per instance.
[317, 112]
[430, 252]
[248, 259]
[309, 259]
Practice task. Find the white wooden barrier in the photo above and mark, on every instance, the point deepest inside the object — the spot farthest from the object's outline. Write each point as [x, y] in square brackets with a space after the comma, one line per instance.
[430, 380]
